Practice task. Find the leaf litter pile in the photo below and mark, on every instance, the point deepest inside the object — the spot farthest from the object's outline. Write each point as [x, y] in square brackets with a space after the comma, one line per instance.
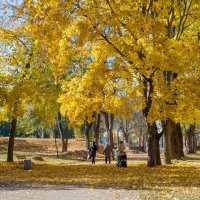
[167, 181]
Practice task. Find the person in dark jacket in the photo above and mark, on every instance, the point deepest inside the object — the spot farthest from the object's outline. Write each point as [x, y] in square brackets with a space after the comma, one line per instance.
[108, 152]
[93, 151]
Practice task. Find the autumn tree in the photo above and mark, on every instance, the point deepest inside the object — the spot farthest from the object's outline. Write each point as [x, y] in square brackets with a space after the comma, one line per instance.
[126, 48]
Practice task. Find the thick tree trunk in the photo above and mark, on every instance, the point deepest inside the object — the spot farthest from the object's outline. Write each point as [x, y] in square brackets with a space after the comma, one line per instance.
[152, 145]
[11, 140]
[177, 142]
[62, 136]
[167, 144]
[191, 139]
[158, 159]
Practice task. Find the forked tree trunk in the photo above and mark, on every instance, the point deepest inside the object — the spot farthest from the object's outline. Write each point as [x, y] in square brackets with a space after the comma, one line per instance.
[11, 140]
[109, 122]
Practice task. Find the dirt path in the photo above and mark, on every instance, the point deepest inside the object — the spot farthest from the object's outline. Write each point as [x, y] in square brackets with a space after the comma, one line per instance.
[14, 191]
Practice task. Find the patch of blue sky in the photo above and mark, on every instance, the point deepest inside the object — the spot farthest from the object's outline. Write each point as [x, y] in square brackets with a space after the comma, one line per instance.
[8, 9]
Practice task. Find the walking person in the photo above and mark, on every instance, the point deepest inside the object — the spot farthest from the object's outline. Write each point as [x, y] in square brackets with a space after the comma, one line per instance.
[108, 151]
[122, 157]
[93, 151]
[121, 148]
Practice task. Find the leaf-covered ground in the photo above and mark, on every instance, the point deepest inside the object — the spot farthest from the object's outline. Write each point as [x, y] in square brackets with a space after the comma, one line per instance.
[176, 181]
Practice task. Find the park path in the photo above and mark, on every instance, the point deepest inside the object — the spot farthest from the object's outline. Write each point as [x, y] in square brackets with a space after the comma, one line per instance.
[13, 191]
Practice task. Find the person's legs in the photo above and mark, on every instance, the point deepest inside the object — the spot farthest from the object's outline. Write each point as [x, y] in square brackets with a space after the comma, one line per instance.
[106, 159]
[109, 160]
[93, 160]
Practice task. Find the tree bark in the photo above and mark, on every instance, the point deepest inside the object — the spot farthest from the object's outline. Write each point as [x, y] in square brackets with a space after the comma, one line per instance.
[167, 143]
[191, 139]
[96, 128]
[127, 140]
[158, 159]
[109, 122]
[67, 135]
[152, 145]
[87, 127]
[177, 142]
[111, 130]
[11, 140]
[62, 136]
[195, 142]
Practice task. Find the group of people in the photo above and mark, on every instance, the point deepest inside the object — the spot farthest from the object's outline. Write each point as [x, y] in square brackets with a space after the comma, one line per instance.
[107, 151]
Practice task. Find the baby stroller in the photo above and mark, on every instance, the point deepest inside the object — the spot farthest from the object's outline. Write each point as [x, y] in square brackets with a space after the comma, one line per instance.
[122, 161]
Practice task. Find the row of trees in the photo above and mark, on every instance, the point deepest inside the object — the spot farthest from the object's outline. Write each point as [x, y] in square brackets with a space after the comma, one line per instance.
[85, 58]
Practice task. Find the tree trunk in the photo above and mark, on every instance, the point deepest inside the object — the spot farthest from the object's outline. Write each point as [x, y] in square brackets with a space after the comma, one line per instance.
[195, 142]
[67, 135]
[158, 159]
[62, 136]
[167, 144]
[96, 128]
[52, 134]
[109, 121]
[42, 133]
[118, 137]
[177, 142]
[11, 140]
[190, 139]
[111, 130]
[55, 141]
[152, 145]
[127, 141]
[88, 127]
[87, 141]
